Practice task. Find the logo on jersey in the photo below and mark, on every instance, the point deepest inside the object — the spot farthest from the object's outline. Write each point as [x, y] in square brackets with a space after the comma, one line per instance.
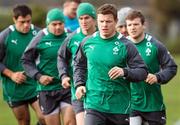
[14, 41]
[115, 49]
[76, 43]
[48, 43]
[116, 43]
[91, 46]
[34, 32]
[148, 50]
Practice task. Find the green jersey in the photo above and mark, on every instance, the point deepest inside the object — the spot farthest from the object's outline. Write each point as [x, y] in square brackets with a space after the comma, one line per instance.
[66, 54]
[97, 56]
[12, 46]
[40, 58]
[146, 97]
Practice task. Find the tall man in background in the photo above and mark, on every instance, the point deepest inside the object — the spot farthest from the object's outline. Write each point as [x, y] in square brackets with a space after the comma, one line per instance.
[18, 90]
[69, 8]
[86, 13]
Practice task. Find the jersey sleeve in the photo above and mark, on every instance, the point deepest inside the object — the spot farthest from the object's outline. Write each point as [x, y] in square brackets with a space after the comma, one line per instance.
[167, 64]
[80, 66]
[3, 36]
[136, 69]
[64, 56]
[29, 57]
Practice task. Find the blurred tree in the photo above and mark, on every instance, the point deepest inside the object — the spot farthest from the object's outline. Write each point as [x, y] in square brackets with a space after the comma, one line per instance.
[5, 18]
[38, 15]
[165, 11]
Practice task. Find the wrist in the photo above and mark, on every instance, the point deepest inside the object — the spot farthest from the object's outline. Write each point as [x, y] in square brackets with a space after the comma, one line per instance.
[8, 73]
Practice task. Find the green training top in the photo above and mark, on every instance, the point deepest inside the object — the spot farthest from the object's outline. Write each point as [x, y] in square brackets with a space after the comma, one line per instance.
[146, 97]
[97, 56]
[40, 58]
[12, 46]
[66, 54]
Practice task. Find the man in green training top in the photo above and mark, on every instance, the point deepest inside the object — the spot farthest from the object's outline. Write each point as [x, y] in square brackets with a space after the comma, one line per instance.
[86, 14]
[18, 89]
[110, 61]
[53, 98]
[146, 97]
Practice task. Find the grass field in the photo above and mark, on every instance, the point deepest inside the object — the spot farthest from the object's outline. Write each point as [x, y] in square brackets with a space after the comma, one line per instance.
[6, 115]
[171, 93]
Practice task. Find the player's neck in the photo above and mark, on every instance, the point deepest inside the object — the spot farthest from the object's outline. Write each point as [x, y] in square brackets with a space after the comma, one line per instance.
[139, 39]
[89, 31]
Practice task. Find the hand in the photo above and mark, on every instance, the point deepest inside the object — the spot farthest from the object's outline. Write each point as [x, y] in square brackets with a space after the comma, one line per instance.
[80, 92]
[18, 77]
[44, 79]
[65, 82]
[115, 72]
[151, 79]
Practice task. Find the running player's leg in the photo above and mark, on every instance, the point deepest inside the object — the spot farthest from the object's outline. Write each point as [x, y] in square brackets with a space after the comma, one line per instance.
[78, 108]
[80, 118]
[49, 105]
[68, 114]
[135, 118]
[53, 118]
[21, 112]
[155, 118]
[93, 117]
[67, 111]
[36, 107]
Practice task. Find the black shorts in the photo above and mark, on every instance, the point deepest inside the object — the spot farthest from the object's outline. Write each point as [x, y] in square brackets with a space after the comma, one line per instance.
[23, 102]
[78, 106]
[50, 100]
[153, 118]
[93, 117]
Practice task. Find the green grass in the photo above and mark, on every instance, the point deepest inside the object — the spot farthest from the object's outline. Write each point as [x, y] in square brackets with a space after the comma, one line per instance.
[171, 93]
[7, 116]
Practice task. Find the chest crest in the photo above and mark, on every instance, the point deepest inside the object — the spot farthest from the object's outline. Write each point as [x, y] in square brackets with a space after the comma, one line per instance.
[148, 50]
[116, 49]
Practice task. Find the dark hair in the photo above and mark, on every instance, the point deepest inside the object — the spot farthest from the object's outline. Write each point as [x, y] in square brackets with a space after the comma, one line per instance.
[108, 9]
[21, 10]
[135, 14]
[76, 1]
